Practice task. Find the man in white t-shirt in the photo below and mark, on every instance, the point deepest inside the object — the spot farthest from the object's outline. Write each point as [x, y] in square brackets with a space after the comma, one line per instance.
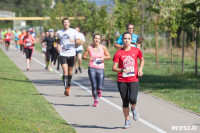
[79, 50]
[66, 40]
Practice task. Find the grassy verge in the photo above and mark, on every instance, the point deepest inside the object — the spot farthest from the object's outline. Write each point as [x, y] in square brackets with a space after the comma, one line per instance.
[22, 108]
[163, 82]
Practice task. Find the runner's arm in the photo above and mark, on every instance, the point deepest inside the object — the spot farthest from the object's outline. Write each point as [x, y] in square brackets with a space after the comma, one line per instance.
[34, 41]
[79, 41]
[58, 45]
[116, 45]
[115, 68]
[140, 73]
[106, 54]
[86, 53]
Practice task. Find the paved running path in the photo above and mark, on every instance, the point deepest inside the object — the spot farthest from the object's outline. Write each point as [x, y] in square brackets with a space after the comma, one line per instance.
[156, 115]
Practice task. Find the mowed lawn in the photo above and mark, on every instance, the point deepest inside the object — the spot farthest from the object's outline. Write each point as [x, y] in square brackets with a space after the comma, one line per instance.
[182, 90]
[22, 108]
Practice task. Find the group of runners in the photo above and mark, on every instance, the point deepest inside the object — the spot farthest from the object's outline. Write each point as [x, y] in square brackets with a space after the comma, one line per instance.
[125, 63]
[66, 46]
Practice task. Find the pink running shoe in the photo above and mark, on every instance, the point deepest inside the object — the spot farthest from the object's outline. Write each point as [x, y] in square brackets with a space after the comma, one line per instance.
[95, 103]
[99, 93]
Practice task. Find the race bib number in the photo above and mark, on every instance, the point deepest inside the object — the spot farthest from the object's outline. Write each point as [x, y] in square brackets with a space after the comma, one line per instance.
[28, 44]
[97, 61]
[22, 37]
[130, 74]
[43, 49]
[7, 37]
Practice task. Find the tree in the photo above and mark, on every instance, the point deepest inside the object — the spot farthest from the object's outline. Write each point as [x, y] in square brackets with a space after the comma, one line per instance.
[193, 17]
[154, 8]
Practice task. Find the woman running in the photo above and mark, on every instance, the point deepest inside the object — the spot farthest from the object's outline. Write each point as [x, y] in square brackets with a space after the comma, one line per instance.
[29, 42]
[98, 53]
[125, 63]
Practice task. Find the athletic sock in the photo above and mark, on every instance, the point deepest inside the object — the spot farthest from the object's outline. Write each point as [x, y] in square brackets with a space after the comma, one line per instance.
[47, 63]
[65, 80]
[69, 80]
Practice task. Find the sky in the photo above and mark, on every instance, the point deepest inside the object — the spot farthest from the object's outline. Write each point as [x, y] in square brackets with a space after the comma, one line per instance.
[102, 2]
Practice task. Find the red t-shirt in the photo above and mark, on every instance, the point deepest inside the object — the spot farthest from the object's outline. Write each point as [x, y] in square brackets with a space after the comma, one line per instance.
[28, 42]
[128, 59]
[8, 37]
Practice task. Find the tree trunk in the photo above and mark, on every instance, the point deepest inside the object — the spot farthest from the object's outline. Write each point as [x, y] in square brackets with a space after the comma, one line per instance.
[149, 41]
[164, 43]
[142, 17]
[171, 48]
[196, 52]
[183, 45]
[156, 39]
[175, 42]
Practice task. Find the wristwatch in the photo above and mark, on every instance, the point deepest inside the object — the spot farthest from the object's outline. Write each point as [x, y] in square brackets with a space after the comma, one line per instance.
[122, 70]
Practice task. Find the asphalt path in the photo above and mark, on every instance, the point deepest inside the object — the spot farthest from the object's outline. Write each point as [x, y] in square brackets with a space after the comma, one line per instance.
[156, 115]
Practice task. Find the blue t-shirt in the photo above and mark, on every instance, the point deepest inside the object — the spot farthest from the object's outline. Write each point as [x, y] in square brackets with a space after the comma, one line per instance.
[16, 36]
[33, 34]
[134, 39]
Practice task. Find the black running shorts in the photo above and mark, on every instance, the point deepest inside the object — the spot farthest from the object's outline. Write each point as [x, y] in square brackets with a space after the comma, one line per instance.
[67, 60]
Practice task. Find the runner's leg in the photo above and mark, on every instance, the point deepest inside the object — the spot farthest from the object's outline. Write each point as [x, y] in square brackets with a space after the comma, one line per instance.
[123, 89]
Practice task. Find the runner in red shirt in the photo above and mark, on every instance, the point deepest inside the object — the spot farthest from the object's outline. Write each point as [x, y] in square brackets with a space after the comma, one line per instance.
[21, 42]
[29, 42]
[125, 63]
[8, 38]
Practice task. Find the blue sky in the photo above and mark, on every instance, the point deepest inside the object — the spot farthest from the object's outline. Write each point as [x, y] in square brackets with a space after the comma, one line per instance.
[102, 2]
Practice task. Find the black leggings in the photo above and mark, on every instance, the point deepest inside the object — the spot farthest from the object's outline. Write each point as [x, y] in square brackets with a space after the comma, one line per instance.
[128, 92]
[22, 48]
[28, 53]
[50, 53]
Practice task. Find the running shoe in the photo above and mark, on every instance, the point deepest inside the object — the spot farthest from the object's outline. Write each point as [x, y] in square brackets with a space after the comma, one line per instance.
[76, 71]
[95, 103]
[80, 70]
[50, 69]
[28, 69]
[127, 124]
[99, 93]
[135, 114]
[67, 91]
[46, 68]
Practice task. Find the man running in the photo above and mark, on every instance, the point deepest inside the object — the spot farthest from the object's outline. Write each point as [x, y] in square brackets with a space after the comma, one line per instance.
[50, 50]
[130, 28]
[126, 64]
[79, 49]
[67, 38]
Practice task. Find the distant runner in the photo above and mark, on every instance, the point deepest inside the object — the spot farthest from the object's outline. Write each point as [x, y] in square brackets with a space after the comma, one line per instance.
[21, 41]
[79, 49]
[8, 38]
[29, 42]
[130, 28]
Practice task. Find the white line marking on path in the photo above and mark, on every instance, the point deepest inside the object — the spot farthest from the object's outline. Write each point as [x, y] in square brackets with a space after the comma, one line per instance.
[107, 101]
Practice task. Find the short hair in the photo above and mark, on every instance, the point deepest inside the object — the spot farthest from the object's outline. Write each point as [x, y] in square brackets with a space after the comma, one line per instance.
[64, 20]
[97, 34]
[125, 34]
[129, 25]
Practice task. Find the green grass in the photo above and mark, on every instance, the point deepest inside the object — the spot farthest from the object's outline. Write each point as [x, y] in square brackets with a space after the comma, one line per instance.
[165, 83]
[22, 108]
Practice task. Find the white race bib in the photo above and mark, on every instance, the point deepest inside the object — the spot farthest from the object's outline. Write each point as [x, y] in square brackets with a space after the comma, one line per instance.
[130, 74]
[97, 61]
[28, 44]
